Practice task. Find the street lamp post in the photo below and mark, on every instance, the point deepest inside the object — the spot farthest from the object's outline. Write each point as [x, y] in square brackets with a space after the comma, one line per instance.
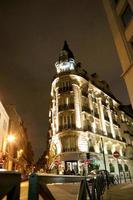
[104, 160]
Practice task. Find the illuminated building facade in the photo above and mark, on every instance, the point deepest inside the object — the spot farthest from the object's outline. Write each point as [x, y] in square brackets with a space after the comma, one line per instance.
[4, 125]
[19, 152]
[86, 121]
[120, 17]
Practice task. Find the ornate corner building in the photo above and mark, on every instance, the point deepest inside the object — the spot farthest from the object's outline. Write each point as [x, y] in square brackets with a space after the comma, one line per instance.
[87, 124]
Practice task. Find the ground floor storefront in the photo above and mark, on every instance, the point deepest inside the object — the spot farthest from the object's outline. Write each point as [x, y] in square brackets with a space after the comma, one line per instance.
[84, 163]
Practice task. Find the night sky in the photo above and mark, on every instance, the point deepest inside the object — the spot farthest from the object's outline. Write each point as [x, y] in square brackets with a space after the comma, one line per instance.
[32, 34]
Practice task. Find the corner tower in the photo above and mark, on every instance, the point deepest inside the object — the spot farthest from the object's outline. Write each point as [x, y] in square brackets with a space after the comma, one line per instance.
[68, 142]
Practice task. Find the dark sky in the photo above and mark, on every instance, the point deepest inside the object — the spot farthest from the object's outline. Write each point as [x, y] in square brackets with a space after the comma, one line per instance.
[31, 36]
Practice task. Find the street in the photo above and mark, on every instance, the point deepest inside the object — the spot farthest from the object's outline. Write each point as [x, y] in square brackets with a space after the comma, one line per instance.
[59, 191]
[70, 191]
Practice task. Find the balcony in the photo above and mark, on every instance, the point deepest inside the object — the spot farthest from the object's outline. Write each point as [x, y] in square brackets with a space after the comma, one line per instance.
[87, 128]
[67, 126]
[86, 109]
[65, 89]
[100, 132]
[66, 107]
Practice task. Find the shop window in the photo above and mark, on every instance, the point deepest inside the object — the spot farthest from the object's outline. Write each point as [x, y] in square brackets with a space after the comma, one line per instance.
[126, 168]
[111, 167]
[120, 167]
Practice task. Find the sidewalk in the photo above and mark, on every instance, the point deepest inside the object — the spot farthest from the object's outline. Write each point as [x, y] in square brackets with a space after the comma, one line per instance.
[119, 192]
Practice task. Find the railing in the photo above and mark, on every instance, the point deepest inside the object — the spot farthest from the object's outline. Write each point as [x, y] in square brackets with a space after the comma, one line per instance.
[87, 128]
[67, 126]
[10, 185]
[66, 107]
[65, 89]
[100, 132]
[38, 185]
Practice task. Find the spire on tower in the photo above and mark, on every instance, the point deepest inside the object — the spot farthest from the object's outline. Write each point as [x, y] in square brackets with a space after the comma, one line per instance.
[66, 59]
[66, 53]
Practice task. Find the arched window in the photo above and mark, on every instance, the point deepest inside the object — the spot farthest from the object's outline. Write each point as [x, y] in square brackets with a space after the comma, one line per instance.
[112, 168]
[126, 168]
[120, 167]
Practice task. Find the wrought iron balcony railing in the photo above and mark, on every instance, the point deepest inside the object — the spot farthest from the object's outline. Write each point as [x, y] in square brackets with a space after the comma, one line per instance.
[65, 89]
[67, 126]
[66, 107]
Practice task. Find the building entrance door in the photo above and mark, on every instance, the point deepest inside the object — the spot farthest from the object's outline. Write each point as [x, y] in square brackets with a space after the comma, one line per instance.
[71, 165]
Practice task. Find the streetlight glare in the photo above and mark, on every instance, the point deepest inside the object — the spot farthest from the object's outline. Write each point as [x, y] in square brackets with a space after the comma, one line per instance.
[11, 138]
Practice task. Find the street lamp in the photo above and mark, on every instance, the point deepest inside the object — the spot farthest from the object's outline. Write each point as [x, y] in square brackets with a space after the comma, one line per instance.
[10, 139]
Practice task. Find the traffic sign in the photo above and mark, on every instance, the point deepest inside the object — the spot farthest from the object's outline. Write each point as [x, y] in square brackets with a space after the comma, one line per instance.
[116, 154]
[87, 161]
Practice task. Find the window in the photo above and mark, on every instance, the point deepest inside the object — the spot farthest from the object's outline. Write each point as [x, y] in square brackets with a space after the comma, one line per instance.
[127, 15]
[120, 167]
[126, 168]
[112, 168]
[66, 122]
[108, 128]
[4, 125]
